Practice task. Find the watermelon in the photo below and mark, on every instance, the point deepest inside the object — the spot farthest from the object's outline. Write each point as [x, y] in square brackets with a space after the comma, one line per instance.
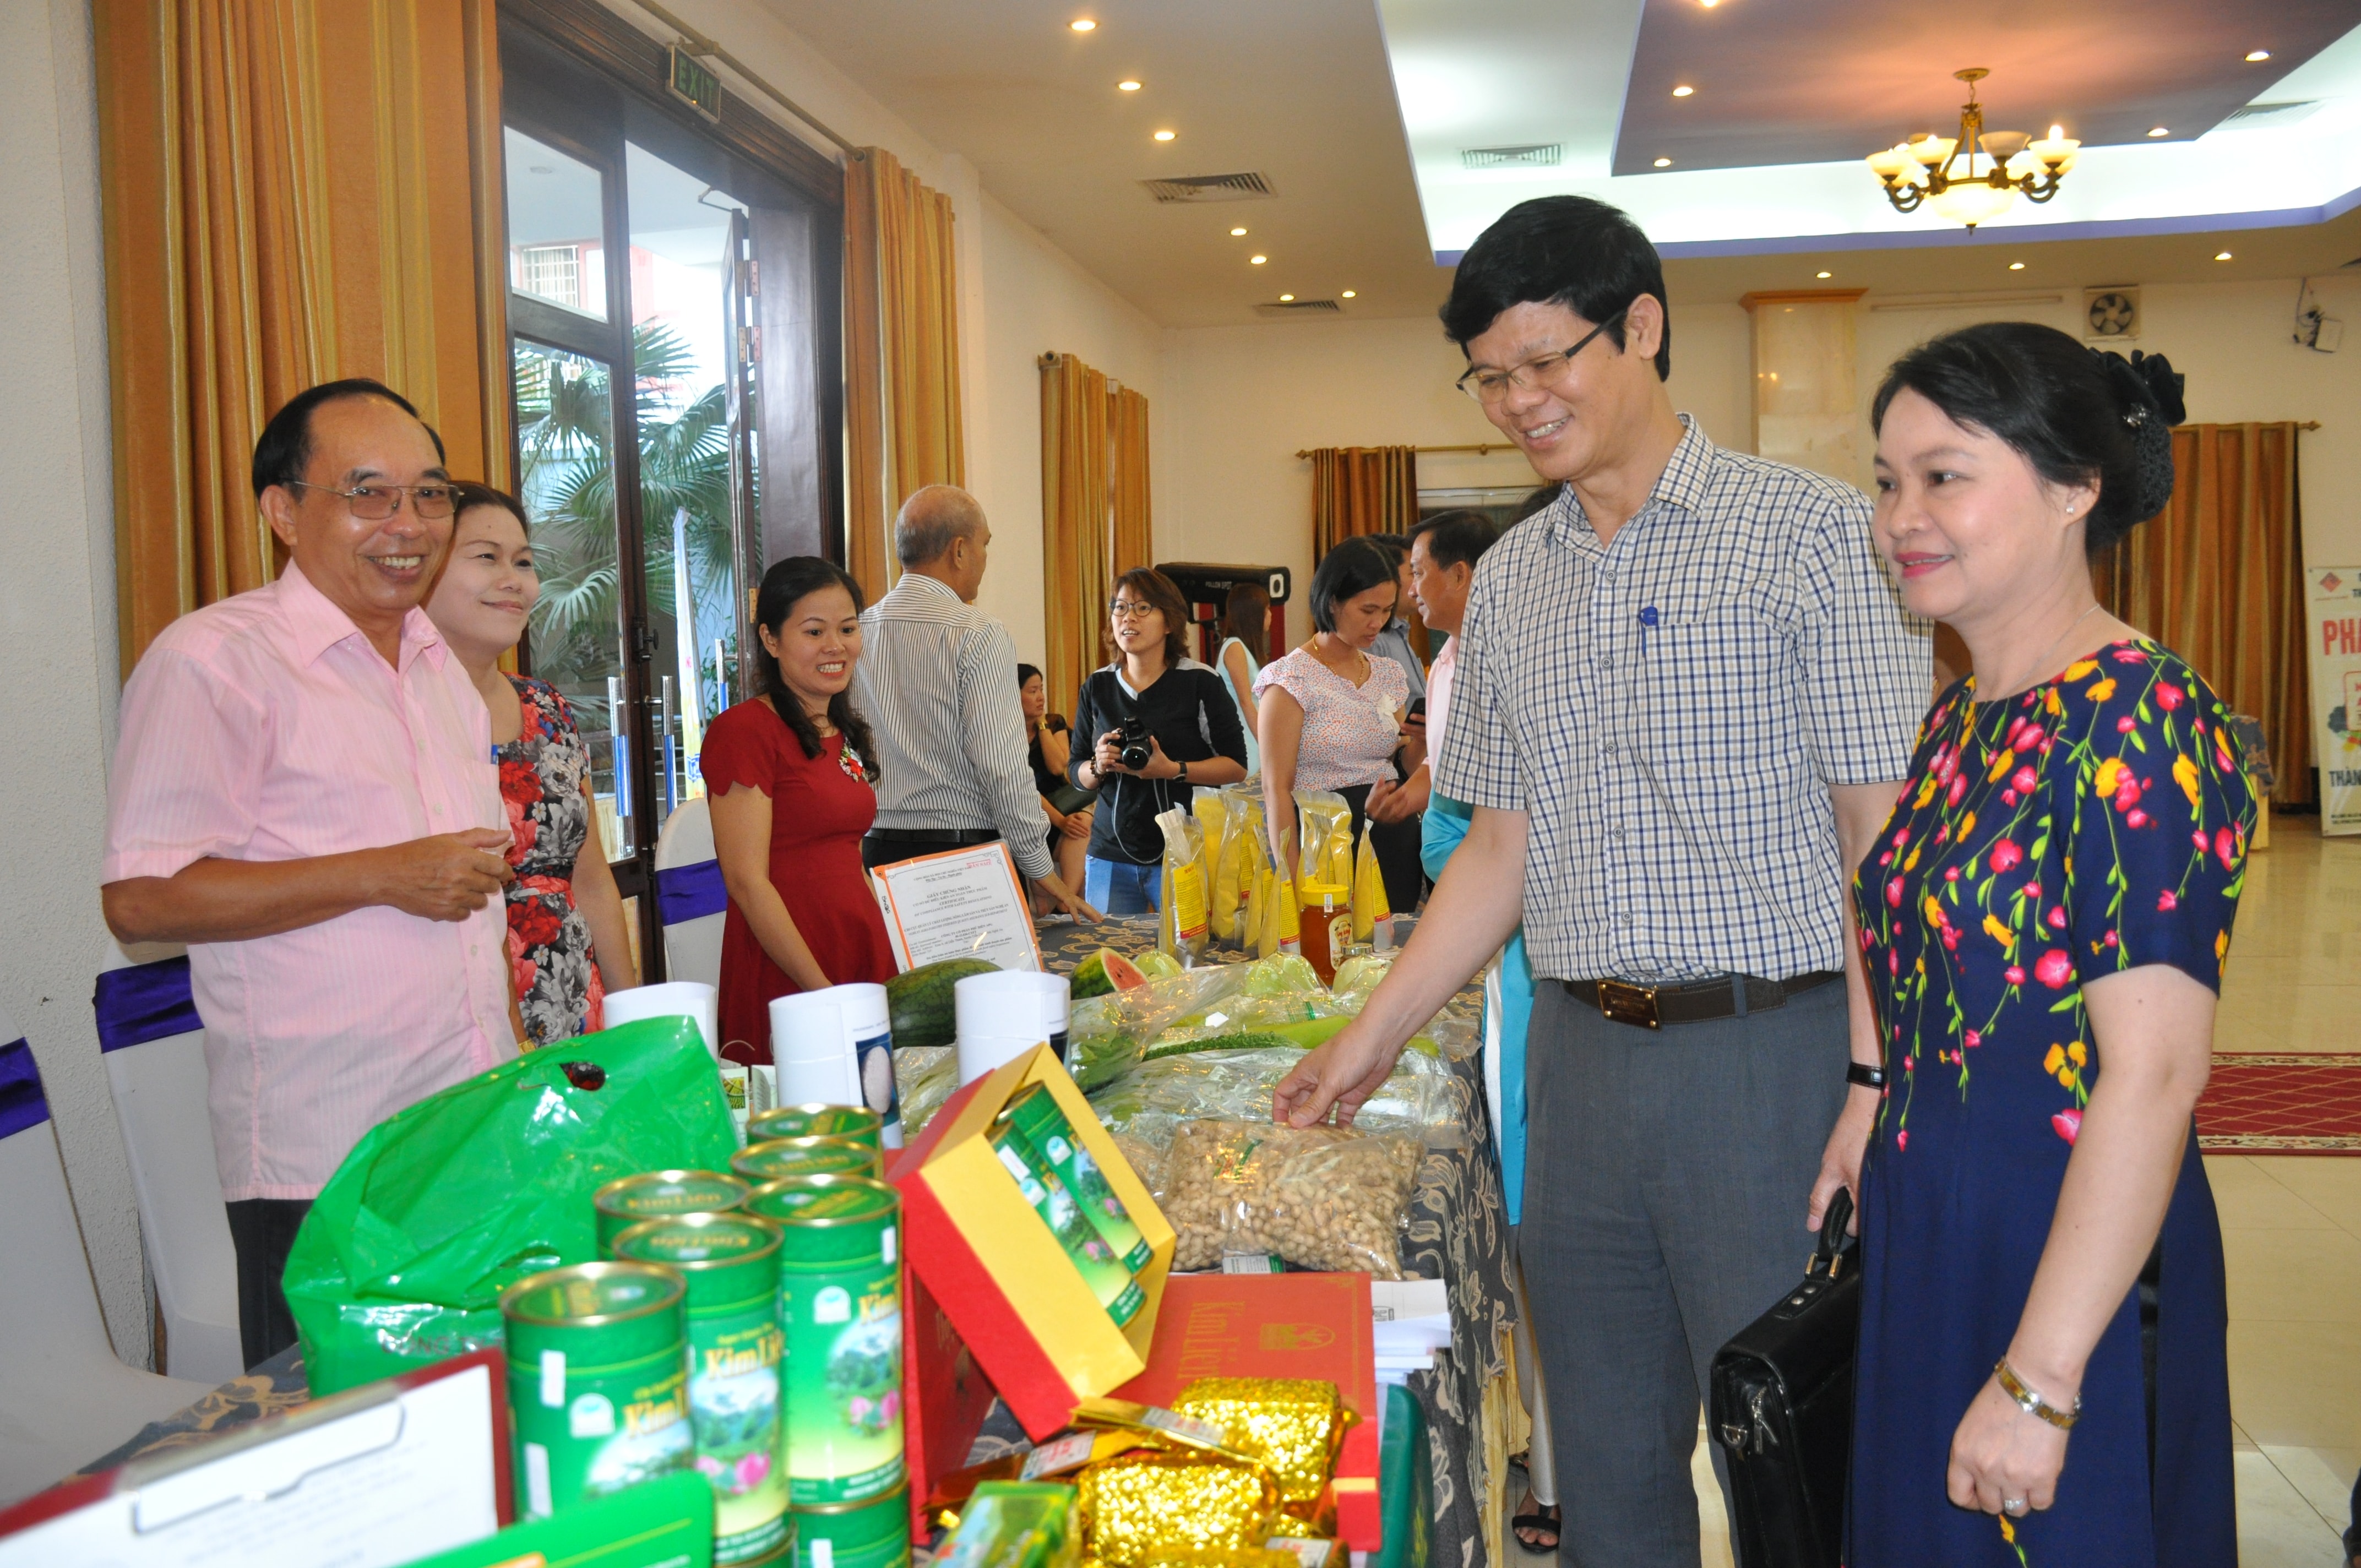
[919, 1001]
[1106, 971]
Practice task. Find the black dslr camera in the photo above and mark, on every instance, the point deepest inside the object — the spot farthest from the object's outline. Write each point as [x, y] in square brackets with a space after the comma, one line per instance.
[1132, 747]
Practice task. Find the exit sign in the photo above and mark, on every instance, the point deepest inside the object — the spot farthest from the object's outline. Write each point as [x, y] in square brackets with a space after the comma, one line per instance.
[694, 85]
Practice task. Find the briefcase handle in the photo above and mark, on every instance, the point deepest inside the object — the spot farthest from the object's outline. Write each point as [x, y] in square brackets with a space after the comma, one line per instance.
[1828, 1254]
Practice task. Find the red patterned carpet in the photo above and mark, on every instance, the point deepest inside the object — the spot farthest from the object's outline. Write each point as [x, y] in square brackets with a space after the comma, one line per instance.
[2282, 1105]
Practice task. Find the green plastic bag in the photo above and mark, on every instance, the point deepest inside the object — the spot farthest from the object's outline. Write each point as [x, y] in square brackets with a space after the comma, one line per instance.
[439, 1208]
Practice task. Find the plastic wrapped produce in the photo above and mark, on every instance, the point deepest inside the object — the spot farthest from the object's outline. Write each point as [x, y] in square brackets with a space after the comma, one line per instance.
[1106, 1036]
[1420, 1099]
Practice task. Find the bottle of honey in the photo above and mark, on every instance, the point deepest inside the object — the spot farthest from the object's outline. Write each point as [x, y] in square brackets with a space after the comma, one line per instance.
[1327, 926]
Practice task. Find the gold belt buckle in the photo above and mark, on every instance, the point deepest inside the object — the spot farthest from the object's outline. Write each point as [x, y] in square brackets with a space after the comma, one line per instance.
[1624, 1003]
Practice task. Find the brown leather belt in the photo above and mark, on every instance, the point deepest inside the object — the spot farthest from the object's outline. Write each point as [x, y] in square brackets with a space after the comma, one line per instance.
[1692, 1001]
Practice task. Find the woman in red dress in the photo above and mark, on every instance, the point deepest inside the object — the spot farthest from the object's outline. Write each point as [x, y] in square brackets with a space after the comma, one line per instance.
[792, 789]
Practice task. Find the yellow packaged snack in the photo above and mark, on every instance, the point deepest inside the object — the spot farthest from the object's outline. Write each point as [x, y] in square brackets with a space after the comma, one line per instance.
[1181, 922]
[1369, 906]
[1295, 1425]
[1146, 1501]
[1232, 869]
[1213, 825]
[1324, 837]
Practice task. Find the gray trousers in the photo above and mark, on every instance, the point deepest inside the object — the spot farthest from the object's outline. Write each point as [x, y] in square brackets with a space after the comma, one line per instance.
[1666, 1176]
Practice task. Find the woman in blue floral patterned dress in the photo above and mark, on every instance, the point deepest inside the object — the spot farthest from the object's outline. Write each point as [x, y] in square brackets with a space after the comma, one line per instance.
[2045, 919]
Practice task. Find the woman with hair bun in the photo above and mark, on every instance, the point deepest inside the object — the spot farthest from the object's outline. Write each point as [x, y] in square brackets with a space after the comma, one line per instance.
[2045, 917]
[791, 781]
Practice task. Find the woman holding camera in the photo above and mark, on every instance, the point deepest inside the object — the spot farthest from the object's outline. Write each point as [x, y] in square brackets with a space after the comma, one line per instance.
[1161, 730]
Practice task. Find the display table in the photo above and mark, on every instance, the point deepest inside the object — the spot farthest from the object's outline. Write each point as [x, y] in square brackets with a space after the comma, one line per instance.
[1459, 1234]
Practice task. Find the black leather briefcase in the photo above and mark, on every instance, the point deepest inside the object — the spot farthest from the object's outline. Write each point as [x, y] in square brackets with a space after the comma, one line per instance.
[1782, 1410]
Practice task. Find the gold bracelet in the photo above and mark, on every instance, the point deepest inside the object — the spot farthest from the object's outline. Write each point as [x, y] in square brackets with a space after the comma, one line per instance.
[2032, 1403]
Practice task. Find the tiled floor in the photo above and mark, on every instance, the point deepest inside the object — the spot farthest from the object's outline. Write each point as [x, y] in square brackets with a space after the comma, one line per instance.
[2291, 1225]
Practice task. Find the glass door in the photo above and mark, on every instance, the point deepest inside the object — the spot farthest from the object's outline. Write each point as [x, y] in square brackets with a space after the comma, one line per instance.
[636, 248]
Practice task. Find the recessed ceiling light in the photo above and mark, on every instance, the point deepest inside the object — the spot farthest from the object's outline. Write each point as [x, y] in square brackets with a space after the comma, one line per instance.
[1256, 261]
[2161, 131]
[1081, 24]
[1663, 163]
[1127, 86]
[2221, 256]
[2258, 54]
[1350, 295]
[1683, 91]
[2016, 267]
[1164, 135]
[1708, 4]
[1823, 274]
[1287, 299]
[1235, 234]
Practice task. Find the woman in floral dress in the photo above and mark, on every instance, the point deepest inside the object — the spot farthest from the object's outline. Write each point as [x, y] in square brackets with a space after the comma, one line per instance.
[2045, 919]
[568, 941]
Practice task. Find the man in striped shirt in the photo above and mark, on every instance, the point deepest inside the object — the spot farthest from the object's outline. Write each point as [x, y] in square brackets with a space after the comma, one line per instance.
[937, 681]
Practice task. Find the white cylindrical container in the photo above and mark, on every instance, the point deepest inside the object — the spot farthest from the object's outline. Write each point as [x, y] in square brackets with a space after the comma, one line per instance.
[672, 998]
[812, 1052]
[869, 1036]
[1000, 1017]
[1056, 992]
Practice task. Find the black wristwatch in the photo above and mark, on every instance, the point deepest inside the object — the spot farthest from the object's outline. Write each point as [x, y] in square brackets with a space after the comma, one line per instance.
[1867, 1076]
[1182, 777]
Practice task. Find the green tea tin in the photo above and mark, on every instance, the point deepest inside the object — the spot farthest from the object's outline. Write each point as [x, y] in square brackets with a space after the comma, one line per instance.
[1038, 1121]
[841, 1306]
[776, 1158]
[858, 1123]
[1101, 1269]
[598, 1380]
[732, 1265]
[874, 1534]
[660, 1195]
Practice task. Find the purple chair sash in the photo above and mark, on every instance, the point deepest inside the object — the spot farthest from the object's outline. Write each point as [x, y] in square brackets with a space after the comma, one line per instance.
[145, 1002]
[690, 892]
[22, 1105]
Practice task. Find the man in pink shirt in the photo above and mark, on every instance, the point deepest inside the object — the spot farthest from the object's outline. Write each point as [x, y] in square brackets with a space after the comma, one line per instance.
[304, 793]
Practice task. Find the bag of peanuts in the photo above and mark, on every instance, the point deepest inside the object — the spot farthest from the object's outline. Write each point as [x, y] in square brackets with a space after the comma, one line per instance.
[1326, 1199]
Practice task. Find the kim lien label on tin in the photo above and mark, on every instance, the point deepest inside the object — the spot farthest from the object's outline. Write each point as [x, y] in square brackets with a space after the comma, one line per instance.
[598, 1380]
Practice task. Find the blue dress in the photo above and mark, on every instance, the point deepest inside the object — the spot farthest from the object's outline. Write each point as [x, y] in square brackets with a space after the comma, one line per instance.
[2092, 824]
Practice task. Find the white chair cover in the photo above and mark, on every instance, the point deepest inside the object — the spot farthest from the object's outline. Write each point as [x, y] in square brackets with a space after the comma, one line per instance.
[64, 1397]
[689, 896]
[154, 1052]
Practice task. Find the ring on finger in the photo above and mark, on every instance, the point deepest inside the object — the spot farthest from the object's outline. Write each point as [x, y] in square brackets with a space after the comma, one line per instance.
[2012, 1505]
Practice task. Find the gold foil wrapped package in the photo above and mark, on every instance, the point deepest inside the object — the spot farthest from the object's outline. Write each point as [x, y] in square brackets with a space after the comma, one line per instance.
[1148, 1501]
[1294, 1425]
[1221, 1557]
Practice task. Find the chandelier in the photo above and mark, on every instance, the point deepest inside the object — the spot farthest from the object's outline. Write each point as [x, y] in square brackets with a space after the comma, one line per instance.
[1941, 172]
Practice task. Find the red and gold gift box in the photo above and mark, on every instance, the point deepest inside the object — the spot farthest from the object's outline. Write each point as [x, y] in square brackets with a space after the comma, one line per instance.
[995, 1272]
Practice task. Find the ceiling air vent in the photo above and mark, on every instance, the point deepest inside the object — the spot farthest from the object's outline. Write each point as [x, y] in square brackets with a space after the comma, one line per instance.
[1299, 307]
[1538, 155]
[2269, 116]
[1210, 188]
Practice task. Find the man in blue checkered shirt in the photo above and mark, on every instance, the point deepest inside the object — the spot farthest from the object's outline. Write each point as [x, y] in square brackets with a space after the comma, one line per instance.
[1686, 697]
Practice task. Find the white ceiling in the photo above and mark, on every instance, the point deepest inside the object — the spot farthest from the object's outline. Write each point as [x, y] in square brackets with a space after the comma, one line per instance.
[1356, 110]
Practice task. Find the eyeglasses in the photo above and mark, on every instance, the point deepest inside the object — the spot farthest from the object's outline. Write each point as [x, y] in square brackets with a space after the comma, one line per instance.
[1129, 610]
[375, 503]
[1492, 386]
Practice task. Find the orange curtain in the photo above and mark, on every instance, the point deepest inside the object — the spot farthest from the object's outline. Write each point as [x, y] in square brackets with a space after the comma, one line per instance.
[902, 421]
[1134, 541]
[2218, 578]
[294, 191]
[1362, 489]
[1077, 574]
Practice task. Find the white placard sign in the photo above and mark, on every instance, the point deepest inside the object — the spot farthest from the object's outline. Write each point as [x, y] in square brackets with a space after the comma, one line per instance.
[2331, 603]
[960, 903]
[383, 1474]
